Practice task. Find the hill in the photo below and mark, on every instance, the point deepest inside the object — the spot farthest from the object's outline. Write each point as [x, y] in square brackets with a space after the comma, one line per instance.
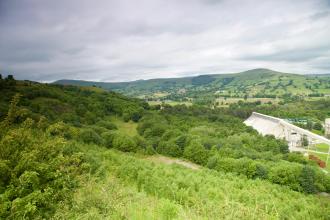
[70, 152]
[252, 83]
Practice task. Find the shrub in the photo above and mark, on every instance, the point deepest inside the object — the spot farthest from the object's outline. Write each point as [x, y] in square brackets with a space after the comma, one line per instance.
[212, 162]
[307, 179]
[286, 174]
[108, 138]
[124, 143]
[90, 136]
[196, 152]
[107, 124]
[61, 129]
[296, 157]
[261, 171]
[169, 148]
[320, 162]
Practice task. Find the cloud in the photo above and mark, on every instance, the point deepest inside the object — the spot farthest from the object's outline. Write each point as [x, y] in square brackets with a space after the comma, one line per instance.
[110, 40]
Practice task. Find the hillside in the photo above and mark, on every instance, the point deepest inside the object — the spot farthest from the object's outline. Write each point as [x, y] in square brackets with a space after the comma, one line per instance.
[251, 83]
[70, 152]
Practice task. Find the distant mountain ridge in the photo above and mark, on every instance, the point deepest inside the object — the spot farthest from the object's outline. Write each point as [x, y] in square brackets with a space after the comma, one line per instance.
[255, 82]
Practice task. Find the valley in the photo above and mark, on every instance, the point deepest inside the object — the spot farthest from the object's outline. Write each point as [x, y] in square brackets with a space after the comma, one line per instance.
[71, 152]
[252, 85]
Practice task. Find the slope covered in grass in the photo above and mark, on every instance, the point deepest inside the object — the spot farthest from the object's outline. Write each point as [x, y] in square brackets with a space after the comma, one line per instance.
[59, 160]
[254, 83]
[128, 187]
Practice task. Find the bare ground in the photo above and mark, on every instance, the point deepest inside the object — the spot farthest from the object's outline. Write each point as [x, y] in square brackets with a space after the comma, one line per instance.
[169, 160]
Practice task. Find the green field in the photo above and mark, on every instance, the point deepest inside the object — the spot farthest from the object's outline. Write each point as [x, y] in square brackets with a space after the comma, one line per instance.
[223, 102]
[254, 83]
[128, 128]
[324, 148]
[169, 102]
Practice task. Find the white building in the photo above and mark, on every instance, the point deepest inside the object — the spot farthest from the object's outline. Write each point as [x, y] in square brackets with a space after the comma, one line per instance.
[327, 127]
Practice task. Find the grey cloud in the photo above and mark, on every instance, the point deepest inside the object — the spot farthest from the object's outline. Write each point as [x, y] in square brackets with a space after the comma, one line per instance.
[128, 40]
[298, 55]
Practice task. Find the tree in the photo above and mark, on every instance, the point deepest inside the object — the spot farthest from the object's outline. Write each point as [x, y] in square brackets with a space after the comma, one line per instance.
[196, 152]
[245, 97]
[304, 141]
[90, 136]
[10, 81]
[14, 113]
[169, 148]
[10, 77]
[307, 179]
[317, 126]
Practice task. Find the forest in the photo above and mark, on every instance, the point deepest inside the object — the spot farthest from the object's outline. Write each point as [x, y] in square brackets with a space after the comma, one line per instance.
[69, 152]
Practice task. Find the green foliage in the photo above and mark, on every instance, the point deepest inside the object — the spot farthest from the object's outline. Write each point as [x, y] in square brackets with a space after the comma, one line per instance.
[90, 136]
[59, 133]
[205, 194]
[307, 180]
[61, 129]
[169, 148]
[108, 138]
[204, 89]
[36, 174]
[107, 124]
[196, 152]
[286, 174]
[124, 143]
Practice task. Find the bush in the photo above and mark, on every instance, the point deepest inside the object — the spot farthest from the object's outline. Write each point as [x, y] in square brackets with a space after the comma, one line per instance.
[108, 138]
[90, 136]
[286, 174]
[261, 172]
[61, 129]
[307, 180]
[196, 152]
[124, 143]
[107, 124]
[212, 162]
[296, 157]
[169, 148]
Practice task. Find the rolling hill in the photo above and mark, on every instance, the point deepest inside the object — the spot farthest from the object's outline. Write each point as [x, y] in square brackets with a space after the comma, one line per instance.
[253, 83]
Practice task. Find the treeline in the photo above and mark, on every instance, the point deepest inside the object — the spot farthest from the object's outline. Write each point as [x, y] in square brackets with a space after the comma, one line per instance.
[70, 104]
[314, 110]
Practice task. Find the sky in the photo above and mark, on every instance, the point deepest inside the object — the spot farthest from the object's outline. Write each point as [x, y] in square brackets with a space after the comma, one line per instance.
[124, 40]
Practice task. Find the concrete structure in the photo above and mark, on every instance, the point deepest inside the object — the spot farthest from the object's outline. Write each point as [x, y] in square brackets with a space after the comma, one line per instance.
[327, 127]
[281, 129]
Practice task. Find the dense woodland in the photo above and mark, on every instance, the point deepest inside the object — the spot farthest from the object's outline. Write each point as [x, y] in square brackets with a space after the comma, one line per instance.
[64, 154]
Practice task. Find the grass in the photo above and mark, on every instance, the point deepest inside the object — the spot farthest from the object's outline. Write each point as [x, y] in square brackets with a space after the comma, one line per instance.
[170, 102]
[321, 148]
[128, 128]
[125, 186]
[226, 101]
[317, 132]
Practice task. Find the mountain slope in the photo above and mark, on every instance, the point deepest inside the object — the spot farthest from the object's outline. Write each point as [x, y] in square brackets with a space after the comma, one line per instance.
[254, 83]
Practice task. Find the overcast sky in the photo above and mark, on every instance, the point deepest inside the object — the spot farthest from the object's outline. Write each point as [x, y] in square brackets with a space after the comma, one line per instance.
[108, 40]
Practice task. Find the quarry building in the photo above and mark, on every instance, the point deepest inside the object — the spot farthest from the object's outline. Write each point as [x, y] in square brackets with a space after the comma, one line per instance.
[298, 139]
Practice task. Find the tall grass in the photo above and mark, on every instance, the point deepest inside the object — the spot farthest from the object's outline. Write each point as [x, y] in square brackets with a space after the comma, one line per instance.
[126, 187]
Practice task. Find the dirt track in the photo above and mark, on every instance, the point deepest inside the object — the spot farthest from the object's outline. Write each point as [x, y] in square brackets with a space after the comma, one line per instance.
[168, 160]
